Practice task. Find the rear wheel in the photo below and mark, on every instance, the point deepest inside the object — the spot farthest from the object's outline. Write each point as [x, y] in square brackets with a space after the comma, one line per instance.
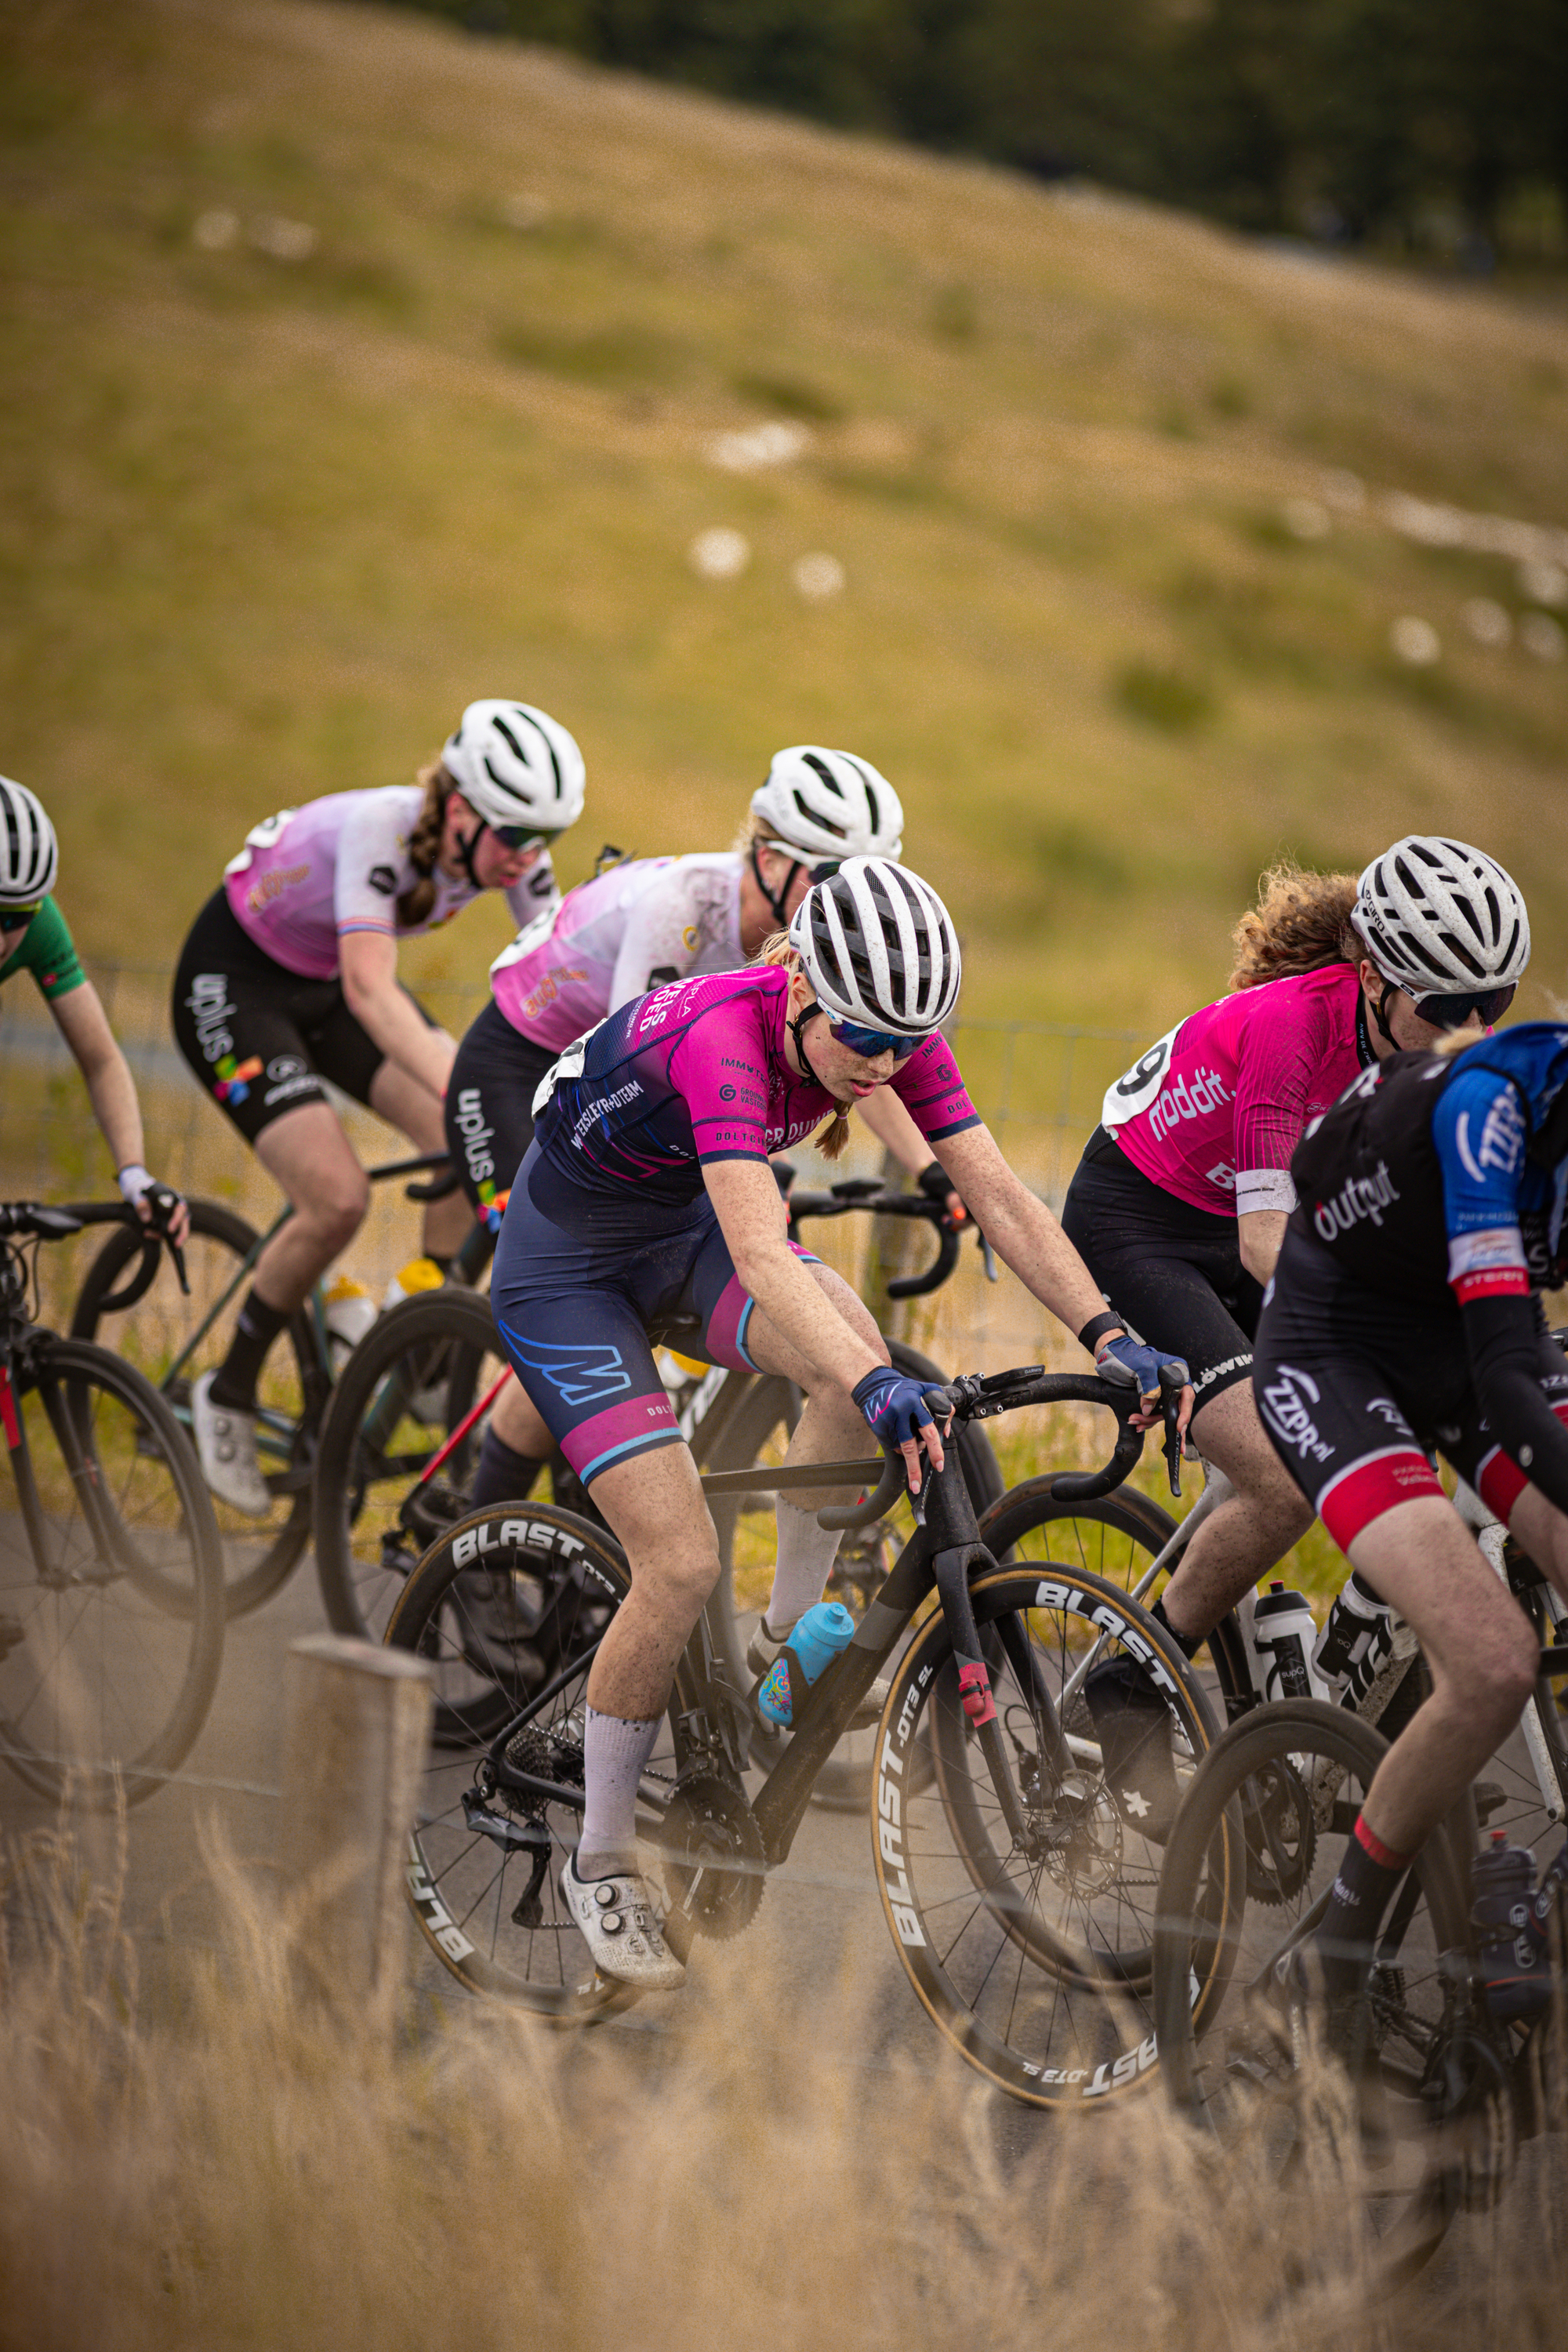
[411, 1382]
[1034, 1958]
[157, 1333]
[1301, 1770]
[103, 1683]
[509, 1608]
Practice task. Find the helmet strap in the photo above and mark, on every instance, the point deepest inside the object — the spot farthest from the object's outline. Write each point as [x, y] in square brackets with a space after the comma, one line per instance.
[466, 849]
[1380, 1012]
[795, 1027]
[778, 902]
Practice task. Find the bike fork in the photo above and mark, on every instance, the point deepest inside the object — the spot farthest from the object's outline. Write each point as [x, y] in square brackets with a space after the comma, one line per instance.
[951, 1571]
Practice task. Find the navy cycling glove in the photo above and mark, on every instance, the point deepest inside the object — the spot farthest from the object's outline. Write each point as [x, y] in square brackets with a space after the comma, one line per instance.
[1129, 1363]
[894, 1405]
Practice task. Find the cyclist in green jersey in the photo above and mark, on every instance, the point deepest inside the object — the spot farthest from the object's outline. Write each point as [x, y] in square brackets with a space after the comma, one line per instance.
[36, 938]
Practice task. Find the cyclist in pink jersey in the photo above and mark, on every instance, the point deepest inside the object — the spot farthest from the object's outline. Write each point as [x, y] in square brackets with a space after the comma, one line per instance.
[641, 923]
[288, 979]
[1179, 1204]
[646, 1191]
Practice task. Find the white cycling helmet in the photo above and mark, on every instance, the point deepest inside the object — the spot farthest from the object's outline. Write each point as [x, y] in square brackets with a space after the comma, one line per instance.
[29, 854]
[878, 947]
[515, 765]
[1441, 919]
[829, 803]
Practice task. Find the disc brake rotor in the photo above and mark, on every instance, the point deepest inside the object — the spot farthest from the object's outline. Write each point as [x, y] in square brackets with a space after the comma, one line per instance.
[1282, 1833]
[714, 1861]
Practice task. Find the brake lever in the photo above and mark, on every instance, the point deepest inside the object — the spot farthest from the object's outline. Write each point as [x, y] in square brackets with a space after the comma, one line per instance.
[987, 1255]
[1171, 1382]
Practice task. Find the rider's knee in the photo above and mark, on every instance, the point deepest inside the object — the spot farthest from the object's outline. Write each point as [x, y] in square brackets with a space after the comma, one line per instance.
[1502, 1670]
[337, 1208]
[686, 1582]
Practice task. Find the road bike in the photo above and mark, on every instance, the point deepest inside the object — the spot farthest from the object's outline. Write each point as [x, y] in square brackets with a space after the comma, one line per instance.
[1443, 2091]
[399, 1448]
[174, 1344]
[111, 1607]
[1018, 1899]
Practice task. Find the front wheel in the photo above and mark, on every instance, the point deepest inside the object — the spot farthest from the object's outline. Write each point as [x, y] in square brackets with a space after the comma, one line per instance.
[1296, 1773]
[104, 1681]
[1034, 1958]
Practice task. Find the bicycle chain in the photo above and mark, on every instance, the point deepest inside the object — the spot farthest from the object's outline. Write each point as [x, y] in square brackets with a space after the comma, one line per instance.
[714, 1860]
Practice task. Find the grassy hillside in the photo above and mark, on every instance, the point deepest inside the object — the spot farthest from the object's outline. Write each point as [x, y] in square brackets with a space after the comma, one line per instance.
[270, 516]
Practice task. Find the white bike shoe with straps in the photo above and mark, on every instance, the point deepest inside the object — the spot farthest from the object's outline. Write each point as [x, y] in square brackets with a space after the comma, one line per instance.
[225, 1447]
[616, 1920]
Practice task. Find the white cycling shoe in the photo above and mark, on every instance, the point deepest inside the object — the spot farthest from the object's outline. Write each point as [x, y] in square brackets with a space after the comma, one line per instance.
[225, 1447]
[763, 1648]
[616, 1920]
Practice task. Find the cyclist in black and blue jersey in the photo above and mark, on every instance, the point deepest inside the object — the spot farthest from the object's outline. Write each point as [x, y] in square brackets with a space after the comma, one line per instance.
[1405, 1315]
[34, 937]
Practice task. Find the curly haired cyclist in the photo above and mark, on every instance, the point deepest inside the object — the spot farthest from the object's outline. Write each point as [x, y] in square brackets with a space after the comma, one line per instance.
[646, 1191]
[36, 938]
[639, 925]
[1405, 1315]
[288, 978]
[1181, 1200]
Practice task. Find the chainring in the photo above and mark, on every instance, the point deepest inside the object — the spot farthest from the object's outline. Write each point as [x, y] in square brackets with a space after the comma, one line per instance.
[714, 1860]
[1281, 1833]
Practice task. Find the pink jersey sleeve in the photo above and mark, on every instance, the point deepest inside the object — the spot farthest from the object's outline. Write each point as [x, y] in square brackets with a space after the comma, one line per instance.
[932, 1089]
[1281, 1053]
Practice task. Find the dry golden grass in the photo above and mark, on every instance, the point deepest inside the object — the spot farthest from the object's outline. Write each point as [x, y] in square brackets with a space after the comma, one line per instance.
[266, 524]
[219, 2167]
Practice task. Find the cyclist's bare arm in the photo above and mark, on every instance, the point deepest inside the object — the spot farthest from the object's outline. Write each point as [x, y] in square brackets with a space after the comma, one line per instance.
[896, 1131]
[111, 1089]
[368, 960]
[1260, 1233]
[1024, 1234]
[752, 1216]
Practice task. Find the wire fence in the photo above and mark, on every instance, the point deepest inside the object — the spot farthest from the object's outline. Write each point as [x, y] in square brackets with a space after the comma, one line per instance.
[1037, 1084]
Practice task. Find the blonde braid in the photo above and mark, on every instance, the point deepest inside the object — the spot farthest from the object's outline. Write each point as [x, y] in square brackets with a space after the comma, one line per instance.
[425, 846]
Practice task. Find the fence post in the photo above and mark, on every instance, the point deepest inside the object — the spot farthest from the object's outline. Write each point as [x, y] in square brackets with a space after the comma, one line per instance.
[356, 1732]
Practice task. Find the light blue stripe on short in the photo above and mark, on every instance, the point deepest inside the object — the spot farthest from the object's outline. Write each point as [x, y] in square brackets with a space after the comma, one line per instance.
[629, 1445]
[740, 1335]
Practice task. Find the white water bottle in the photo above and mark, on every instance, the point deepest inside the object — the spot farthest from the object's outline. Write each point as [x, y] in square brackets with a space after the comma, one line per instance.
[350, 1311]
[1284, 1634]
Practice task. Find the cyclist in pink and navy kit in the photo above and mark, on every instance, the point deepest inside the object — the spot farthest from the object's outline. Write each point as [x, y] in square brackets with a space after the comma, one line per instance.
[288, 979]
[647, 1193]
[1180, 1202]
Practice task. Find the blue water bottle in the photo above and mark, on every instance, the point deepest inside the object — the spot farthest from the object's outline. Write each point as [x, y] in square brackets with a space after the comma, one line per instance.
[817, 1641]
[1512, 1950]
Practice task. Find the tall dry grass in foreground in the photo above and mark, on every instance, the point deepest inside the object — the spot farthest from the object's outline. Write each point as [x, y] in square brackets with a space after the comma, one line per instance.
[220, 2167]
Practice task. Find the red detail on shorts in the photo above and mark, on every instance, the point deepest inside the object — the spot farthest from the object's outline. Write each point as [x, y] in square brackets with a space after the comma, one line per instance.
[974, 1689]
[1363, 1494]
[8, 1409]
[1383, 1856]
[1491, 1282]
[1499, 1480]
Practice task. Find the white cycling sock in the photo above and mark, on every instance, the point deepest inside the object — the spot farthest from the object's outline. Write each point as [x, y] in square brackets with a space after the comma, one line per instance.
[807, 1553]
[614, 1754]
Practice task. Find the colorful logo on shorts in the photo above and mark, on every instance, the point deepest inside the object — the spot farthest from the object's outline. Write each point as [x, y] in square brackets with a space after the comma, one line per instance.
[231, 1078]
[492, 1206]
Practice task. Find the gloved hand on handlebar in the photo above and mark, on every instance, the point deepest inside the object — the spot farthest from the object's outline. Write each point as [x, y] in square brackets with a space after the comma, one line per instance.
[936, 1185]
[1127, 1362]
[158, 1206]
[897, 1410]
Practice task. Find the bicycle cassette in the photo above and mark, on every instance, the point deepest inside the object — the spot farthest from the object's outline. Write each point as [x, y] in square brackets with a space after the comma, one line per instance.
[1281, 1833]
[714, 1861]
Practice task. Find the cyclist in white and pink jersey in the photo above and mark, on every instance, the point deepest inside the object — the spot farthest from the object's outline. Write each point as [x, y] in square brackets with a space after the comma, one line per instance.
[288, 978]
[1179, 1204]
[631, 928]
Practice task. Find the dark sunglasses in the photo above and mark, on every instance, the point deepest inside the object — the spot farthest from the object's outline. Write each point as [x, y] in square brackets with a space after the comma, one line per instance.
[16, 918]
[520, 836]
[872, 1042]
[1453, 1012]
